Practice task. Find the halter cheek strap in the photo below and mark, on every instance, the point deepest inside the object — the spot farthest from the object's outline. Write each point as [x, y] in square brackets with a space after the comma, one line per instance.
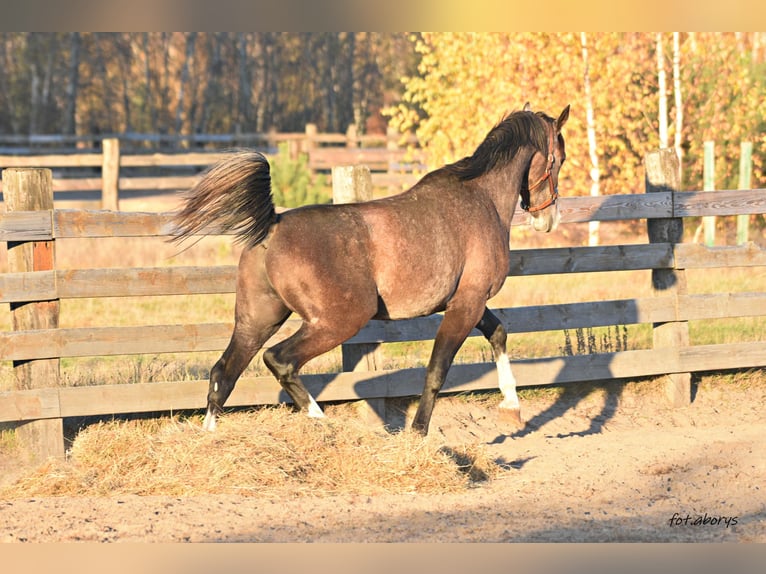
[554, 194]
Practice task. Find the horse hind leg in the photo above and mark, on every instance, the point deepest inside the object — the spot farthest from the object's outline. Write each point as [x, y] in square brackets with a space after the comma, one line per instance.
[249, 336]
[286, 358]
[493, 330]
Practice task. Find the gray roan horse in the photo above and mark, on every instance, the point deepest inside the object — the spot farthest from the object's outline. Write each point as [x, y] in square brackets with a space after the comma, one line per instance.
[443, 245]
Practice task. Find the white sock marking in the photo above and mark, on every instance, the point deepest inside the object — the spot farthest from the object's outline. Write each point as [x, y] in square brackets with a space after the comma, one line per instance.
[209, 423]
[507, 383]
[314, 410]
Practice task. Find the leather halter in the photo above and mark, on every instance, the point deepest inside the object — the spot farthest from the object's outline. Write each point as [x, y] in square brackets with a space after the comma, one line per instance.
[554, 194]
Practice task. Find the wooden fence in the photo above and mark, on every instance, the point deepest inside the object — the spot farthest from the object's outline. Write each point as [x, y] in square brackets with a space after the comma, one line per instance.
[390, 164]
[34, 282]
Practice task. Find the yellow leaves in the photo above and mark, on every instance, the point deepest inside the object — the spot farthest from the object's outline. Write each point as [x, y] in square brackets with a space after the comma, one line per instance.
[468, 81]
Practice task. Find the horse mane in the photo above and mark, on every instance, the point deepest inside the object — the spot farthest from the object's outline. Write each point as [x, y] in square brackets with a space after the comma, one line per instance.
[516, 130]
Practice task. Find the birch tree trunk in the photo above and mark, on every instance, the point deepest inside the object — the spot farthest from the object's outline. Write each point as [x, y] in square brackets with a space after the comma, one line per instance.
[184, 80]
[662, 93]
[70, 115]
[679, 102]
[595, 173]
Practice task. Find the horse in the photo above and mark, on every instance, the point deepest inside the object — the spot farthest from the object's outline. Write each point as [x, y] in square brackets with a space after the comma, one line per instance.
[440, 246]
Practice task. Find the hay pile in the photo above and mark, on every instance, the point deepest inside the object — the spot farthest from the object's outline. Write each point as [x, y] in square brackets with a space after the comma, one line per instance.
[268, 452]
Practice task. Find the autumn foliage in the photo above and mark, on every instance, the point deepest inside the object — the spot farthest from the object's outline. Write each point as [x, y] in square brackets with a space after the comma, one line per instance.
[465, 82]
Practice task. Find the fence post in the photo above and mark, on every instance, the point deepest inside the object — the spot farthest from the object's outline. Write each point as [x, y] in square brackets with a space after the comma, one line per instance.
[31, 189]
[352, 140]
[662, 174]
[351, 184]
[745, 172]
[110, 174]
[309, 139]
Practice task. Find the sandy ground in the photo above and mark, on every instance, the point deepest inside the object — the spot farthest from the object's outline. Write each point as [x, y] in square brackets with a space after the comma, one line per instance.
[616, 465]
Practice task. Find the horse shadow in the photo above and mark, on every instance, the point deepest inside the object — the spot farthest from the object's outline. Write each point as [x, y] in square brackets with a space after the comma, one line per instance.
[570, 398]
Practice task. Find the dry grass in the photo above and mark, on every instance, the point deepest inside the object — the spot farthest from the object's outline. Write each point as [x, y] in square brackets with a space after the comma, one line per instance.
[270, 452]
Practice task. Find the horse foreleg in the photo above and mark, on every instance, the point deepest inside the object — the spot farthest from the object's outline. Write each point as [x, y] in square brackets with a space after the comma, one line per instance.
[493, 330]
[454, 329]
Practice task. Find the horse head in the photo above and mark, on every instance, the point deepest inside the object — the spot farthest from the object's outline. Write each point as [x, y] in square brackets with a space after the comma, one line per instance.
[539, 196]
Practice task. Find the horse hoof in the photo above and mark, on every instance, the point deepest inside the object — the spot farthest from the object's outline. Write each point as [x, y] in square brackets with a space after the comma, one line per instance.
[512, 416]
[209, 423]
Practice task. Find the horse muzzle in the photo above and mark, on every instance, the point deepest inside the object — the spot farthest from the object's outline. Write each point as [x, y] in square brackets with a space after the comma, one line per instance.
[546, 220]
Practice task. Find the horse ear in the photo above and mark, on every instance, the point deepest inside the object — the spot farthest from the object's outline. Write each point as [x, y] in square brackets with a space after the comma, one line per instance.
[527, 107]
[562, 118]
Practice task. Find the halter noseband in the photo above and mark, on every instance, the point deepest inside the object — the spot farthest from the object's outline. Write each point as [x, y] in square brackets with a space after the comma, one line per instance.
[554, 194]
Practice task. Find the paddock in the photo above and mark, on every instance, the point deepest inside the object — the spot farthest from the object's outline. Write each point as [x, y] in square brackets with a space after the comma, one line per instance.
[34, 285]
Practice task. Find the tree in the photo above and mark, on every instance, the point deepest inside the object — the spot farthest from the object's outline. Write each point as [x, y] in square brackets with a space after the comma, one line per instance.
[593, 226]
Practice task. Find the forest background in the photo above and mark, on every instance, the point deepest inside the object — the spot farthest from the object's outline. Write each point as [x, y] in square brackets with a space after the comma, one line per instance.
[630, 92]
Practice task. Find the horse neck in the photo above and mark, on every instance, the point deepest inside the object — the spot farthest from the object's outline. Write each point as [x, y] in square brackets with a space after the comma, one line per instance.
[503, 185]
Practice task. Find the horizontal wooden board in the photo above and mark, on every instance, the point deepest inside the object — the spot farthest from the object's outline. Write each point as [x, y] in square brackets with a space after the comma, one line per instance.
[30, 404]
[166, 183]
[616, 207]
[719, 203]
[590, 259]
[170, 396]
[695, 256]
[52, 160]
[171, 159]
[71, 223]
[104, 341]
[132, 282]
[26, 226]
[28, 286]
[75, 223]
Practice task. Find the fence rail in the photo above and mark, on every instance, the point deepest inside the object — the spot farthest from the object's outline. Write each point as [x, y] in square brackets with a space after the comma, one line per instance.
[391, 165]
[668, 307]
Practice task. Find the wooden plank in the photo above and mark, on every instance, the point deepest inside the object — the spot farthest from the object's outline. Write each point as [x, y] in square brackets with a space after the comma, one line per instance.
[165, 183]
[530, 319]
[26, 226]
[167, 396]
[76, 223]
[32, 404]
[52, 160]
[695, 256]
[376, 159]
[116, 282]
[615, 207]
[213, 337]
[78, 184]
[536, 318]
[590, 259]
[28, 286]
[717, 203]
[719, 357]
[127, 398]
[132, 282]
[105, 341]
[173, 159]
[721, 305]
[69, 223]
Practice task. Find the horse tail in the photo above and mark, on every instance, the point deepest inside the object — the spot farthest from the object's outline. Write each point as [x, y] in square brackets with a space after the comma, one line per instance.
[235, 195]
